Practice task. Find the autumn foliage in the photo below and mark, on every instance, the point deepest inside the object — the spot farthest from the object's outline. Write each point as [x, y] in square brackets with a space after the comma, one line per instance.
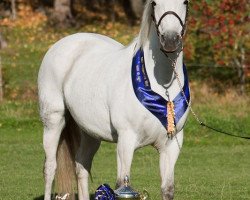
[219, 35]
[218, 31]
[222, 25]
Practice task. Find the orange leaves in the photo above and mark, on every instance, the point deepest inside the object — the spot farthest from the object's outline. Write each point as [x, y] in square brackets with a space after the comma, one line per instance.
[26, 18]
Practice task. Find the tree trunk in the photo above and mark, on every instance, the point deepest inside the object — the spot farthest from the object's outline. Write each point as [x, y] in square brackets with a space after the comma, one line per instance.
[13, 9]
[3, 43]
[1, 82]
[241, 66]
[137, 8]
[133, 9]
[243, 72]
[93, 5]
[62, 12]
[111, 9]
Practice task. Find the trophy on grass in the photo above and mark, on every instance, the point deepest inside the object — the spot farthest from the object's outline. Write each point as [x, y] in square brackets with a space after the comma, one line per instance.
[127, 192]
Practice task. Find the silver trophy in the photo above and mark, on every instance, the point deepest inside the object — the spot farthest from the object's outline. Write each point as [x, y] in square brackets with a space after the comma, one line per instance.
[126, 192]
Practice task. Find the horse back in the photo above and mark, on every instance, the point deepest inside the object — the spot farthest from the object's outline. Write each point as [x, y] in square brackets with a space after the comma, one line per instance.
[60, 58]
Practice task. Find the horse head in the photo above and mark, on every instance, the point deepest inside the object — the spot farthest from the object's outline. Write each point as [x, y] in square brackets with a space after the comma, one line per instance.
[169, 17]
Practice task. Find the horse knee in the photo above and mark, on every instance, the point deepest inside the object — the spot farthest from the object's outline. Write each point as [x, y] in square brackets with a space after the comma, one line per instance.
[168, 192]
[53, 120]
[53, 126]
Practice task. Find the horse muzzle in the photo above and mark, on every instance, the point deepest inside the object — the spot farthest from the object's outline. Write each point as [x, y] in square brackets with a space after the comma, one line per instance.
[170, 41]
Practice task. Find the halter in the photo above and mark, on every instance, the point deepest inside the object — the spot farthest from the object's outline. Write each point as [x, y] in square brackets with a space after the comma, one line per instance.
[157, 24]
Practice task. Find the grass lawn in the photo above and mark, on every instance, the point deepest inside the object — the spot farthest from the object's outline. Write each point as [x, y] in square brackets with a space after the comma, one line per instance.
[211, 166]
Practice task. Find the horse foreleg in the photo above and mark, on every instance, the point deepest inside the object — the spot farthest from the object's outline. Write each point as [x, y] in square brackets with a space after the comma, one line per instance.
[54, 123]
[125, 151]
[168, 157]
[84, 158]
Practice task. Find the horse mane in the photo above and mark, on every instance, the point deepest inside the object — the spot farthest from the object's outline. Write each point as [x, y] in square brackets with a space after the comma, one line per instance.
[145, 25]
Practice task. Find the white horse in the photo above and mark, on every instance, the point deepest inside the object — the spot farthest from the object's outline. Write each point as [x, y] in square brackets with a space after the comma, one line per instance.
[86, 93]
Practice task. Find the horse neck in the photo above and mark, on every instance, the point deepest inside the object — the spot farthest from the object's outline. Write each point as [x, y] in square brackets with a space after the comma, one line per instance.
[159, 67]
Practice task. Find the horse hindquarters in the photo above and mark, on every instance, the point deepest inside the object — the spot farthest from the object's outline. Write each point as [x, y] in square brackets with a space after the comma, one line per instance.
[59, 128]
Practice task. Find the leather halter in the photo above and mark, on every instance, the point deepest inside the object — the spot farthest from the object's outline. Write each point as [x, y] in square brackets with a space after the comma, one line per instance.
[157, 24]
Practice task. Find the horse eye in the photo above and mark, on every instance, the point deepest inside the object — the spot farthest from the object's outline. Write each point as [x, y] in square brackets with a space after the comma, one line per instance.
[186, 2]
[153, 3]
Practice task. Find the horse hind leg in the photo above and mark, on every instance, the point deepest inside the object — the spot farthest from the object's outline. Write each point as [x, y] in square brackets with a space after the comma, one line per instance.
[54, 122]
[85, 154]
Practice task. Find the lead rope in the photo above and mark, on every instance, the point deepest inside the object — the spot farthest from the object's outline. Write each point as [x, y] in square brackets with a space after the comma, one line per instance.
[182, 91]
[190, 107]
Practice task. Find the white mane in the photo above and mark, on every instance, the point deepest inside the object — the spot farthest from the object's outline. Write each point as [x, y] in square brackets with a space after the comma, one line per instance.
[145, 25]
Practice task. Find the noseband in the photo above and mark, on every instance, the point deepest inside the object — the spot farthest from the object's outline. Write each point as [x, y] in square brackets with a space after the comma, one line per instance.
[157, 24]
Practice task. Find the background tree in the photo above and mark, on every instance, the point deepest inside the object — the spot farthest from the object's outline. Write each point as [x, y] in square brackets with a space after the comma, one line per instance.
[1, 81]
[106, 6]
[62, 13]
[219, 33]
[3, 44]
[5, 8]
[133, 9]
[13, 9]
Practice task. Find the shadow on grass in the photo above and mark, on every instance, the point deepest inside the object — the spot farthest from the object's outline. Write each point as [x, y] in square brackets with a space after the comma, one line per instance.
[92, 197]
[39, 198]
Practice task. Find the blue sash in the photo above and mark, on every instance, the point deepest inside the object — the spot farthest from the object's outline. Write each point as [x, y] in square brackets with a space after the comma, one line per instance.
[154, 102]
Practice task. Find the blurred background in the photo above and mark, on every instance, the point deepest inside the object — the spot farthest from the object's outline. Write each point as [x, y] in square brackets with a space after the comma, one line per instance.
[217, 45]
[217, 54]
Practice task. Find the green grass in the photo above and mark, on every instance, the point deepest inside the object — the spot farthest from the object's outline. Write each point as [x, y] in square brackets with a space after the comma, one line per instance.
[211, 166]
[27, 46]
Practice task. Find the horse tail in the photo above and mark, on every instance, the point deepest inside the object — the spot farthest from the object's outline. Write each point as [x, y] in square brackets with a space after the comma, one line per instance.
[65, 180]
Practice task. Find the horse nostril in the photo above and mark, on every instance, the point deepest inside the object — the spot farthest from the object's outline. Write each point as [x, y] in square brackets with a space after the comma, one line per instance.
[170, 40]
[172, 36]
[177, 38]
[162, 39]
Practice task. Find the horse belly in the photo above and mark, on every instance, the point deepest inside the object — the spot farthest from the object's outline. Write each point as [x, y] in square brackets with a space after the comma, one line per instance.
[85, 92]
